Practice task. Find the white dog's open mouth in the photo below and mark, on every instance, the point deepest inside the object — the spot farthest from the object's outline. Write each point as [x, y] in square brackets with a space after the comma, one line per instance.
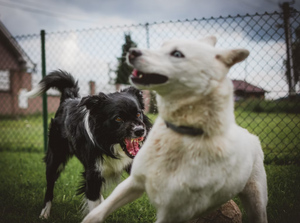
[141, 78]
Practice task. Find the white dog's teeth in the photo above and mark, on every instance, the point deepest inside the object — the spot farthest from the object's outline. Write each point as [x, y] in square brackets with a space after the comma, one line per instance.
[141, 75]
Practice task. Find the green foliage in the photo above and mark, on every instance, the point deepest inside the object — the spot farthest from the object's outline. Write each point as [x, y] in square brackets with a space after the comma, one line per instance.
[124, 70]
[153, 104]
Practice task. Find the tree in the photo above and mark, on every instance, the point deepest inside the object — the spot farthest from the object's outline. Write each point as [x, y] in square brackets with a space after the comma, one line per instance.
[124, 70]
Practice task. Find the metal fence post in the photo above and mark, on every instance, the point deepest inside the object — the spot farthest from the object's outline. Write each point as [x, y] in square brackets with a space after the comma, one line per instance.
[288, 40]
[147, 35]
[45, 107]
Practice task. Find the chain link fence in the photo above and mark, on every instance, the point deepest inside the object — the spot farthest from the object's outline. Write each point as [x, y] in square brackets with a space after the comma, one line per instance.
[266, 104]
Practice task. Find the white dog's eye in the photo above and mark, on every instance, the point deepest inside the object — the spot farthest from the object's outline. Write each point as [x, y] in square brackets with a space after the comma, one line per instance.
[177, 54]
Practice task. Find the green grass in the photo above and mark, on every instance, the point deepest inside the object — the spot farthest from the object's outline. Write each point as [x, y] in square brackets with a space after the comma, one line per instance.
[22, 134]
[22, 177]
[23, 187]
[278, 133]
[23, 184]
[283, 194]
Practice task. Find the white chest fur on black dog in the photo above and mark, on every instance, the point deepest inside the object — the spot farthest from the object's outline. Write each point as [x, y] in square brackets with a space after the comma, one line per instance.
[112, 168]
[196, 157]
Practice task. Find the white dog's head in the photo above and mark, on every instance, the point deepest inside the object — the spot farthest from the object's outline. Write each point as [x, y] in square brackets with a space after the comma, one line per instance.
[182, 65]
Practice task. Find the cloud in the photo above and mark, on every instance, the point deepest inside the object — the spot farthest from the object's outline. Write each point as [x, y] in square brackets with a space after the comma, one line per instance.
[79, 14]
[81, 57]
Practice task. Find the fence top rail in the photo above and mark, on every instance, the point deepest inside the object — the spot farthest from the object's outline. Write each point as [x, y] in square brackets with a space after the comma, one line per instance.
[157, 23]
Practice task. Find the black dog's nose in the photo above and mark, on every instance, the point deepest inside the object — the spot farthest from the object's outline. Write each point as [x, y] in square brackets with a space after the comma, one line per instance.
[138, 132]
[134, 53]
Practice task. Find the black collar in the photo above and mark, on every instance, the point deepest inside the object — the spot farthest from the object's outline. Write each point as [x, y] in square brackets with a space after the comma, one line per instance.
[186, 130]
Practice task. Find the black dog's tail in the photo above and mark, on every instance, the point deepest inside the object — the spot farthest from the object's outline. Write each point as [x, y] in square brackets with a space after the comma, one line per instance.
[60, 80]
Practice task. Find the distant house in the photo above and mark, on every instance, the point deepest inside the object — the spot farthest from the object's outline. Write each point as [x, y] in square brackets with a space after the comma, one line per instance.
[244, 90]
[16, 69]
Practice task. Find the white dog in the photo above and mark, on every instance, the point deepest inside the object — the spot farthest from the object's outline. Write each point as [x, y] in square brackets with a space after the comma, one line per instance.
[196, 157]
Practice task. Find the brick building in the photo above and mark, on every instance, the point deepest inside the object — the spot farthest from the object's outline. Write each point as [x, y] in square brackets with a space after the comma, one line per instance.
[245, 90]
[16, 70]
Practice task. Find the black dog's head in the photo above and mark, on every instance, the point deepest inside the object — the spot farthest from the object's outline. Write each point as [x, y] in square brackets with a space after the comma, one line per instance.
[116, 118]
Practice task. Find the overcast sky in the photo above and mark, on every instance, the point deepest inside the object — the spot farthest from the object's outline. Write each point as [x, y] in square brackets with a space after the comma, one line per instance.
[23, 17]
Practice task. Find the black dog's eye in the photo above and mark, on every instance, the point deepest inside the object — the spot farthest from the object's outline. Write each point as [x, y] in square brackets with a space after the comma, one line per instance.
[177, 54]
[139, 115]
[118, 119]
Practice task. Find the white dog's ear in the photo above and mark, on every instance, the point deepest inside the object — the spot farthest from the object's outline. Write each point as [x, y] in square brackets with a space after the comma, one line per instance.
[231, 57]
[211, 40]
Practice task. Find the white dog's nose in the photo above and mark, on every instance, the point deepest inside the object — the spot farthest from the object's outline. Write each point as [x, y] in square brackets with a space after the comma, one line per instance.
[134, 53]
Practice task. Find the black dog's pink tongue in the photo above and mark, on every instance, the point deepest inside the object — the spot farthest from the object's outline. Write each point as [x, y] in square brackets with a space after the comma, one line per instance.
[135, 72]
[132, 145]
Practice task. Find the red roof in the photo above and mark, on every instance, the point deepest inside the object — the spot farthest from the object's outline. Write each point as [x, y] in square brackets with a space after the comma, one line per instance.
[240, 85]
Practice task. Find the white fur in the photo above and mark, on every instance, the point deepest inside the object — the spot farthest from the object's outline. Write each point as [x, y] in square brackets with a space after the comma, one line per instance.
[187, 176]
[111, 169]
[88, 205]
[87, 126]
[92, 204]
[46, 211]
[38, 90]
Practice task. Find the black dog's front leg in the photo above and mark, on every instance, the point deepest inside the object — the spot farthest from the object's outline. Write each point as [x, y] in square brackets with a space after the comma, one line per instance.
[93, 186]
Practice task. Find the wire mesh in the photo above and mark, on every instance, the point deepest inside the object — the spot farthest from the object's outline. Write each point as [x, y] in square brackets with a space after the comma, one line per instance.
[262, 96]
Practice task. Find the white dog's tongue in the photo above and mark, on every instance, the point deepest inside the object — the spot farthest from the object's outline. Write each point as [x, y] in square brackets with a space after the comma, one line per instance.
[135, 72]
[132, 145]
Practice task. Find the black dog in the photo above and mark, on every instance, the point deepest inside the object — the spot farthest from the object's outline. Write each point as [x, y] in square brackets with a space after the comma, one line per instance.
[103, 131]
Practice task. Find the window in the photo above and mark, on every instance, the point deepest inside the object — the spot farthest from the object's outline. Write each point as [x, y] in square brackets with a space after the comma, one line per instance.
[4, 80]
[23, 100]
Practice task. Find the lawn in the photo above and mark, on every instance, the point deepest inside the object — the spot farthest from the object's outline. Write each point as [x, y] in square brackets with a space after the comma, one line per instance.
[278, 133]
[23, 181]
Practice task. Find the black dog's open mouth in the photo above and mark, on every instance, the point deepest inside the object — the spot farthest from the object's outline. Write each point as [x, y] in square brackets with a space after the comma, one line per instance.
[141, 78]
[132, 146]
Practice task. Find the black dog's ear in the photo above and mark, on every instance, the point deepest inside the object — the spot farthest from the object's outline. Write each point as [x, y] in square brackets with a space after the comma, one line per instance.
[92, 101]
[136, 92]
